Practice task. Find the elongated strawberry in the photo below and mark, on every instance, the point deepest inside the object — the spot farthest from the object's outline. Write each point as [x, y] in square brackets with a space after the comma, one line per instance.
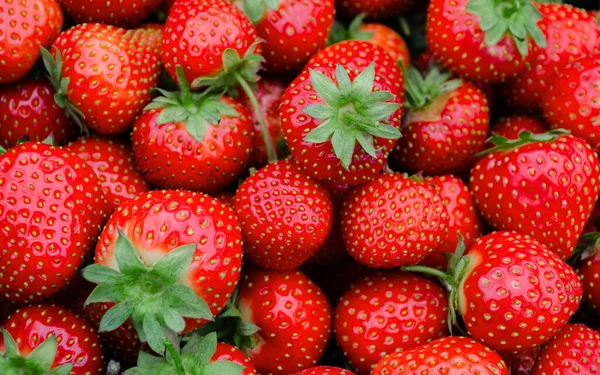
[324, 370]
[51, 211]
[368, 316]
[536, 184]
[126, 13]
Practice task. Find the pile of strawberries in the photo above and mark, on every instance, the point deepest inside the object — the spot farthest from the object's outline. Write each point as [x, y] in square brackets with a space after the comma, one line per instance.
[306, 187]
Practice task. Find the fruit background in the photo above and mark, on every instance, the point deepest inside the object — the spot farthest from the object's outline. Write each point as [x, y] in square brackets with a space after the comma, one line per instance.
[299, 187]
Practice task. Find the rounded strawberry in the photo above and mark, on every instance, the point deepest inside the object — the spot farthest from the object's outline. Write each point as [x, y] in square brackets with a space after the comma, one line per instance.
[285, 216]
[294, 318]
[447, 355]
[112, 161]
[393, 221]
[324, 370]
[169, 261]
[510, 127]
[375, 8]
[483, 40]
[445, 126]
[389, 312]
[47, 339]
[543, 185]
[340, 126]
[27, 109]
[574, 350]
[26, 26]
[51, 211]
[126, 13]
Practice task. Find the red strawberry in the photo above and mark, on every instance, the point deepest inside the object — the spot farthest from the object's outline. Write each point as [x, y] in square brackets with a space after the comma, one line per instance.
[445, 127]
[483, 40]
[27, 108]
[51, 211]
[324, 370]
[103, 74]
[393, 221]
[375, 8]
[571, 32]
[340, 125]
[448, 355]
[571, 101]
[285, 216]
[165, 256]
[510, 127]
[589, 268]
[26, 26]
[388, 313]
[574, 350]
[112, 161]
[294, 318]
[521, 363]
[126, 13]
[43, 337]
[544, 185]
[463, 218]
[230, 353]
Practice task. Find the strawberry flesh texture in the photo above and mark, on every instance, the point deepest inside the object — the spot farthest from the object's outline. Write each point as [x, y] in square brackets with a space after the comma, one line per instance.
[120, 13]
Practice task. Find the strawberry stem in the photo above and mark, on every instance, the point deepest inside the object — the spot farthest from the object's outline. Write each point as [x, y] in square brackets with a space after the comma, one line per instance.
[175, 356]
[503, 144]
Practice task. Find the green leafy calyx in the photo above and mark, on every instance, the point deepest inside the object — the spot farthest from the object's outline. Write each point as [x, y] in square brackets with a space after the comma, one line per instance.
[340, 33]
[421, 92]
[351, 113]
[256, 9]
[503, 144]
[38, 362]
[151, 295]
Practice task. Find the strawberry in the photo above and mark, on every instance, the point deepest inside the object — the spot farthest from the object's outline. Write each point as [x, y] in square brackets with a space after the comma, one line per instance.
[483, 40]
[28, 109]
[294, 318]
[571, 32]
[324, 370]
[340, 125]
[510, 127]
[112, 161]
[589, 269]
[38, 338]
[445, 127]
[162, 257]
[375, 8]
[191, 141]
[544, 185]
[368, 317]
[292, 30]
[512, 292]
[521, 363]
[103, 74]
[463, 218]
[120, 13]
[26, 26]
[51, 211]
[448, 355]
[393, 221]
[574, 350]
[285, 216]
[571, 101]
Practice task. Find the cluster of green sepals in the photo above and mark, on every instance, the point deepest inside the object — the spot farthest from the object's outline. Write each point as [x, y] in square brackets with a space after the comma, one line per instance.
[339, 33]
[421, 91]
[38, 362]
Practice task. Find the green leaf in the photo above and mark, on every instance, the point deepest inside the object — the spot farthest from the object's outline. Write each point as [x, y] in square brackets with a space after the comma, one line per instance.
[318, 111]
[155, 334]
[343, 147]
[205, 347]
[10, 347]
[116, 316]
[325, 88]
[255, 9]
[386, 131]
[247, 328]
[126, 257]
[321, 133]
[43, 355]
[366, 142]
[148, 360]
[97, 274]
[171, 115]
[173, 320]
[104, 293]
[173, 266]
[196, 126]
[343, 80]
[363, 83]
[222, 368]
[61, 370]
[187, 303]
[231, 59]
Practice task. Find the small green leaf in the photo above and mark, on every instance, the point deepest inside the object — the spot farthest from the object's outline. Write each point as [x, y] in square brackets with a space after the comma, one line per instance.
[231, 59]
[318, 111]
[154, 333]
[363, 83]
[126, 257]
[116, 316]
[325, 88]
[61, 370]
[366, 142]
[495, 34]
[148, 360]
[173, 266]
[10, 347]
[171, 115]
[321, 133]
[98, 274]
[43, 355]
[196, 126]
[222, 368]
[187, 303]
[343, 147]
[207, 347]
[104, 293]
[255, 9]
[343, 80]
[173, 320]
[247, 329]
[386, 131]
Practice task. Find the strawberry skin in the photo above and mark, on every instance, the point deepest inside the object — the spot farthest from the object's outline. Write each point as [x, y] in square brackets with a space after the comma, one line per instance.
[368, 317]
[126, 13]
[388, 39]
[589, 273]
[510, 127]
[324, 370]
[51, 211]
[226, 352]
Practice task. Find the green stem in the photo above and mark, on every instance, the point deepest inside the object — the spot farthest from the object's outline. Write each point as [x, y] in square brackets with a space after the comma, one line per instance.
[271, 153]
[2, 150]
[186, 92]
[426, 270]
[176, 357]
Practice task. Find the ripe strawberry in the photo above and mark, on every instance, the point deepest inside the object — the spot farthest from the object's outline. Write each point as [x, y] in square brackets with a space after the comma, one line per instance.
[571, 32]
[27, 108]
[120, 13]
[324, 370]
[369, 316]
[341, 125]
[285, 216]
[51, 211]
[198, 142]
[26, 26]
[294, 318]
[393, 221]
[589, 268]
[38, 338]
[112, 161]
[571, 101]
[574, 350]
[521, 363]
[103, 74]
[445, 127]
[483, 40]
[543, 185]
[162, 257]
[510, 127]
[374, 8]
[448, 355]
[463, 218]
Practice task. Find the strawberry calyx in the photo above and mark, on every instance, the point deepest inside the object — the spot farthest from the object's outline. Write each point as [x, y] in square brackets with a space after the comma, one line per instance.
[340, 33]
[38, 362]
[193, 359]
[257, 9]
[516, 18]
[525, 137]
[421, 92]
[351, 113]
[195, 110]
[152, 296]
